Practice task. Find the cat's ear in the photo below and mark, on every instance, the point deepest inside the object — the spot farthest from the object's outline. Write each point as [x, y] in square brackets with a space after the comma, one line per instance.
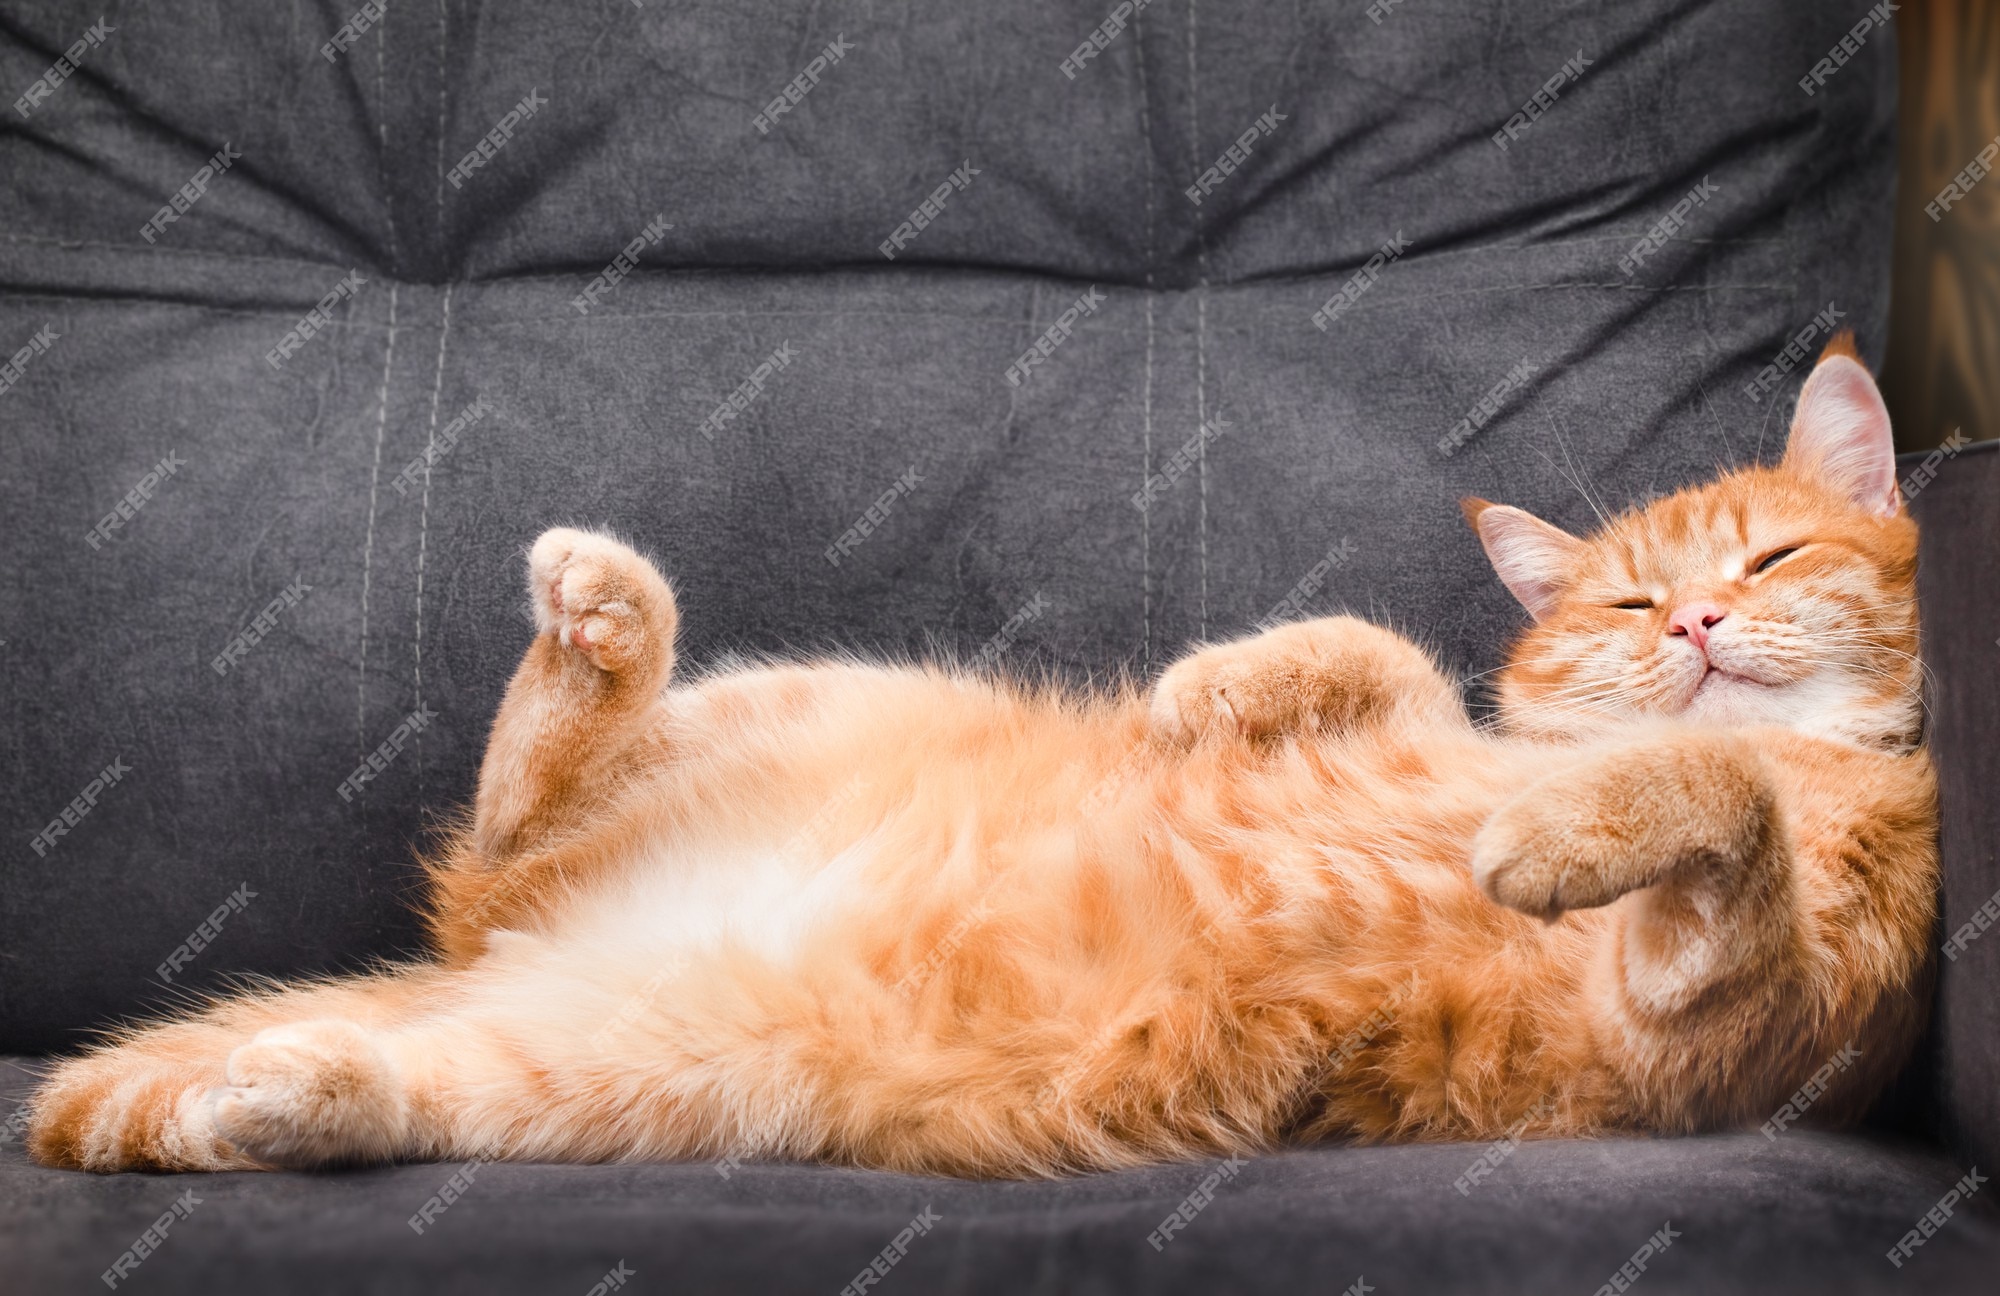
[1841, 431]
[1534, 560]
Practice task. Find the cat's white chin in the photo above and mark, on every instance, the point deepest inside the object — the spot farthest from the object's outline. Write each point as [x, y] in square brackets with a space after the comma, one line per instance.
[1720, 694]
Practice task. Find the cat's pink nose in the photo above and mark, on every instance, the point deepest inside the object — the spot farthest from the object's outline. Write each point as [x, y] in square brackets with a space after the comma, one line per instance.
[1694, 620]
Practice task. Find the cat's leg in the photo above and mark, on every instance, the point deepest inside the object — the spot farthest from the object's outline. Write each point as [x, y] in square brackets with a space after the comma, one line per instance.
[433, 1076]
[426, 1063]
[1773, 902]
[581, 713]
[1695, 977]
[1309, 676]
[1693, 810]
[153, 1099]
[583, 693]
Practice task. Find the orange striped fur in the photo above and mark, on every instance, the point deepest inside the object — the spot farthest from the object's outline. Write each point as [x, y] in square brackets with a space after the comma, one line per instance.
[914, 918]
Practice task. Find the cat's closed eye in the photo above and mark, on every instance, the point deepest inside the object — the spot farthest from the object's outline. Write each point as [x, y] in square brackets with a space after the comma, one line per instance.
[1773, 558]
[1637, 605]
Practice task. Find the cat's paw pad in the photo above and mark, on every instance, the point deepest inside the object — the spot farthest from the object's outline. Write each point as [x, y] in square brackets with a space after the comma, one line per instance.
[599, 598]
[312, 1093]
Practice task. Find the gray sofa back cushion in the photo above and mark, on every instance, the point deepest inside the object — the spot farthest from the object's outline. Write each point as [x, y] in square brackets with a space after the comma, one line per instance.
[323, 499]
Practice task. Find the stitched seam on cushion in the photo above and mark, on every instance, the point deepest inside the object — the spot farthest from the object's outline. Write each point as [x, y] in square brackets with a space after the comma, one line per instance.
[162, 250]
[1151, 251]
[424, 534]
[16, 294]
[1200, 318]
[1622, 287]
[368, 547]
[776, 269]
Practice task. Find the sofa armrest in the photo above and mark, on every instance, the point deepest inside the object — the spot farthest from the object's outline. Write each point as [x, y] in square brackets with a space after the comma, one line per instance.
[1959, 585]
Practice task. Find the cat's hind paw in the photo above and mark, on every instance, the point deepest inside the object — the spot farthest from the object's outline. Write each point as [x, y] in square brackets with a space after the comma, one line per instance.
[127, 1108]
[601, 600]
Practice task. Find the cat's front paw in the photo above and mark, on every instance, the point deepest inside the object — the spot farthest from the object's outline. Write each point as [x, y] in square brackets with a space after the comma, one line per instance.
[1308, 677]
[1536, 863]
[312, 1093]
[1213, 691]
[1616, 823]
[600, 599]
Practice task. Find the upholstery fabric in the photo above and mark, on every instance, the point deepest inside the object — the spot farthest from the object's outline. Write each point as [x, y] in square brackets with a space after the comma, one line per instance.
[322, 514]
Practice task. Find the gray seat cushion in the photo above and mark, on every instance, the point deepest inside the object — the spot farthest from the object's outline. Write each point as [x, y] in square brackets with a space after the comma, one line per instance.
[1808, 1213]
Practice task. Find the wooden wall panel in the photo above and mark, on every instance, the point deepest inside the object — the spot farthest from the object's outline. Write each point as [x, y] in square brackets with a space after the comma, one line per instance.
[1943, 367]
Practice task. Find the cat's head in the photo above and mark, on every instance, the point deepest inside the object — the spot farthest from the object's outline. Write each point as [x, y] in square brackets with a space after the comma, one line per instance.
[1775, 595]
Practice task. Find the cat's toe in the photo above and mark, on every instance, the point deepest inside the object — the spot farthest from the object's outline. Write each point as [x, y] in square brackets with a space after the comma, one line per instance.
[312, 1093]
[547, 558]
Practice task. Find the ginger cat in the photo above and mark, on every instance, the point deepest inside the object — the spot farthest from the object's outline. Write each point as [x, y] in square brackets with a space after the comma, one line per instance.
[912, 918]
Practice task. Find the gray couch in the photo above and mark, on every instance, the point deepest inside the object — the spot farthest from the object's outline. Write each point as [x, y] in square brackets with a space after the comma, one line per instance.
[269, 467]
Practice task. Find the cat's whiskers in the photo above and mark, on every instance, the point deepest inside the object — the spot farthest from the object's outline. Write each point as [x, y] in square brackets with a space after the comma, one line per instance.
[1597, 700]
